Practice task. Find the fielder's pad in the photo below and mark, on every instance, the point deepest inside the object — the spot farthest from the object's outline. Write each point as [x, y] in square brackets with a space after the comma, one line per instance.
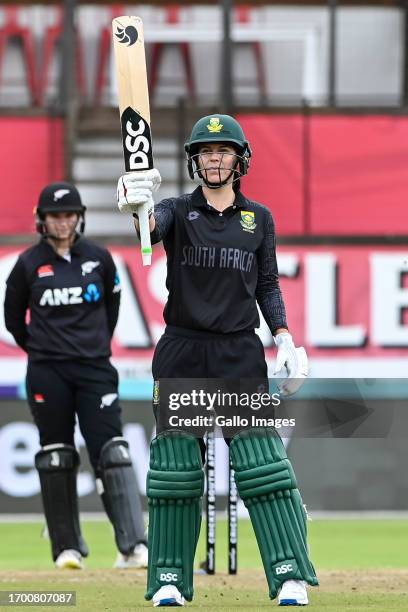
[119, 492]
[175, 485]
[267, 485]
[57, 466]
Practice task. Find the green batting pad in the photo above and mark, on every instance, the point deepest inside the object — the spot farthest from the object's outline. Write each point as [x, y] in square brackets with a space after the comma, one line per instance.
[266, 483]
[175, 485]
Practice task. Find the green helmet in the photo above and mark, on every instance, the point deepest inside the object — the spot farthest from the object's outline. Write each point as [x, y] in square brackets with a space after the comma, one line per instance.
[219, 129]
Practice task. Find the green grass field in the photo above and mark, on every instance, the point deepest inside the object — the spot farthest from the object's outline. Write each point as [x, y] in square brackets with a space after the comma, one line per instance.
[362, 565]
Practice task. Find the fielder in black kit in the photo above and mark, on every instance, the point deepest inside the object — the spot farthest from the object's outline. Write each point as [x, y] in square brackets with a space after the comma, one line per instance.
[71, 288]
[221, 264]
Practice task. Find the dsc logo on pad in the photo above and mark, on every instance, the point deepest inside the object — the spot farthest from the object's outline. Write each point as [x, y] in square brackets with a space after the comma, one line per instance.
[288, 570]
[168, 577]
[284, 569]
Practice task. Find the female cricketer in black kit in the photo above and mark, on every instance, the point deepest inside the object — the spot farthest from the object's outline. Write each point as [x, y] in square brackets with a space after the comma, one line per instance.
[71, 288]
[221, 262]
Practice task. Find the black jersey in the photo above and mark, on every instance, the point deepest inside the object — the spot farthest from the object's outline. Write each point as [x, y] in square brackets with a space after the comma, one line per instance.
[219, 264]
[73, 305]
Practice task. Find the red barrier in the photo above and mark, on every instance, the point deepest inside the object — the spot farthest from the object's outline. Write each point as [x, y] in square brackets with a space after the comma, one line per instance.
[275, 175]
[31, 155]
[357, 179]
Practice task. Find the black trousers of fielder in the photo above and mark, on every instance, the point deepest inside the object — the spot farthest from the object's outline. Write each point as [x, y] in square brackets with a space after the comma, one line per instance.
[57, 391]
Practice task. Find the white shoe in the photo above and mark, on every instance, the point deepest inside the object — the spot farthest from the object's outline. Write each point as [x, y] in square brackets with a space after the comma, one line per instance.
[69, 559]
[168, 595]
[293, 593]
[136, 560]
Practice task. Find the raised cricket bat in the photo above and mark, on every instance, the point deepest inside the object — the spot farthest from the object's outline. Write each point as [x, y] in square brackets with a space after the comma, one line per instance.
[130, 61]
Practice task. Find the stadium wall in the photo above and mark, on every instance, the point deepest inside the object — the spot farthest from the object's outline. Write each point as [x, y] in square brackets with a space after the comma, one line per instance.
[320, 175]
[31, 155]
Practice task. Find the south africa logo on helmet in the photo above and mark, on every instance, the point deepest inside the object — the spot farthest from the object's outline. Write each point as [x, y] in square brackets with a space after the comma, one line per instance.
[214, 125]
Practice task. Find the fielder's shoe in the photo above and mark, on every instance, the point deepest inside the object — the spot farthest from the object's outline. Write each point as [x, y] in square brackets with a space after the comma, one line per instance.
[136, 560]
[293, 593]
[168, 595]
[69, 559]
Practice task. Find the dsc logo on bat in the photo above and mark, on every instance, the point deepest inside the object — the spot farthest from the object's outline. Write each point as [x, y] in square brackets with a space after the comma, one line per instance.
[137, 145]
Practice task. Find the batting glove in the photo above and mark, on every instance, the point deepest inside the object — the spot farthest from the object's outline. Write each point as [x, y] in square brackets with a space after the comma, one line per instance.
[136, 188]
[294, 360]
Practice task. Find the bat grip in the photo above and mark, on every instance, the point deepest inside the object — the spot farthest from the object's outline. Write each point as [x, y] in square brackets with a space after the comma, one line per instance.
[146, 245]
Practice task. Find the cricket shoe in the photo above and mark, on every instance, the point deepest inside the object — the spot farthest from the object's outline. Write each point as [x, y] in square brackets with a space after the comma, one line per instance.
[136, 560]
[168, 595]
[69, 559]
[293, 593]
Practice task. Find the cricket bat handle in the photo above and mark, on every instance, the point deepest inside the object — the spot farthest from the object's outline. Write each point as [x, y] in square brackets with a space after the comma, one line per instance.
[145, 243]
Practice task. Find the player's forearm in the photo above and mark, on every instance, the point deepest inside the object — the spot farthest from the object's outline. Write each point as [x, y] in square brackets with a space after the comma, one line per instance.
[155, 234]
[15, 306]
[19, 332]
[273, 309]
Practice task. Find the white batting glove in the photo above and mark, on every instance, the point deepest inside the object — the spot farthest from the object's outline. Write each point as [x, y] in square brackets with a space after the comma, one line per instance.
[136, 188]
[294, 360]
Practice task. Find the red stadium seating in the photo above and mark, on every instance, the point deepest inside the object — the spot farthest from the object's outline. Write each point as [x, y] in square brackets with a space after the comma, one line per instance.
[172, 17]
[12, 29]
[243, 15]
[104, 47]
[52, 37]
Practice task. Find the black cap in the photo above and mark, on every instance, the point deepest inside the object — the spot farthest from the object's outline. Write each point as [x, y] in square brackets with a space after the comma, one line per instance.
[59, 197]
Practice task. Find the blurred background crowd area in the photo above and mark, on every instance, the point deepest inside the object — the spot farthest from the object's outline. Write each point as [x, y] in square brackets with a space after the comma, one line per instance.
[321, 90]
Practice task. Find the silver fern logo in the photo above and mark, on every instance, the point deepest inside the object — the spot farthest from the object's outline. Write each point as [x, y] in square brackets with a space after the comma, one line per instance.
[127, 35]
[60, 193]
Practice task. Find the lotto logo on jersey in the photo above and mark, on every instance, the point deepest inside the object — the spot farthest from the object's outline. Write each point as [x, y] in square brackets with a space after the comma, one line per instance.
[46, 270]
[67, 296]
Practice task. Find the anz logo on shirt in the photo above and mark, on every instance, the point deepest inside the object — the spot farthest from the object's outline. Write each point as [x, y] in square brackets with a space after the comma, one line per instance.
[67, 296]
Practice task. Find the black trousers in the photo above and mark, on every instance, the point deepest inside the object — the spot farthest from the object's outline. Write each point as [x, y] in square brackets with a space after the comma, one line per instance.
[57, 391]
[230, 362]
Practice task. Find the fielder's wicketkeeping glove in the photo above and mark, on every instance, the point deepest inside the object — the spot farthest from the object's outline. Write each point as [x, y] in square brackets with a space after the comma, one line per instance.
[294, 360]
[135, 189]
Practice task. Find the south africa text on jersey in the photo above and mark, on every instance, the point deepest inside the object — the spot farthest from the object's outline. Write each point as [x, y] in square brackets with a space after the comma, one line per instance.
[215, 257]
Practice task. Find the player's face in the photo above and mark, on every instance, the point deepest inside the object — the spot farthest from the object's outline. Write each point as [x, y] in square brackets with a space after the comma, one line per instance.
[217, 161]
[61, 225]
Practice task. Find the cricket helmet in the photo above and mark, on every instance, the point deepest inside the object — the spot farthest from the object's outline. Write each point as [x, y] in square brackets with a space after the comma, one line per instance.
[218, 129]
[59, 197]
